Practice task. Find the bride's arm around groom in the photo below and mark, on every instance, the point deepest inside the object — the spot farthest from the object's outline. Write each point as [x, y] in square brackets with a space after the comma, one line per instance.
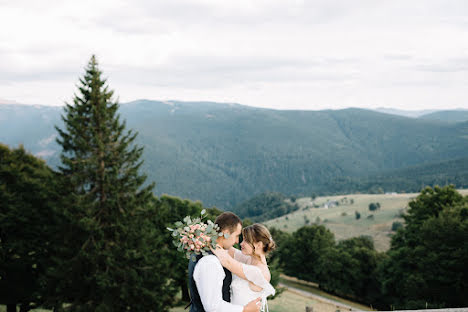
[208, 276]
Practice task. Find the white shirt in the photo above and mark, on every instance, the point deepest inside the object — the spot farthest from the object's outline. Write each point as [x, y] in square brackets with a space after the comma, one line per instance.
[209, 276]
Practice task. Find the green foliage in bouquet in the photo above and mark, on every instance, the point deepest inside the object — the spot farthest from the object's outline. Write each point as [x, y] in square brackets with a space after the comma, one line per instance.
[195, 237]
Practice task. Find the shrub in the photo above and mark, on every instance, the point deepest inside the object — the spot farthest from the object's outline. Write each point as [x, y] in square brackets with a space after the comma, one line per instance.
[357, 215]
[396, 225]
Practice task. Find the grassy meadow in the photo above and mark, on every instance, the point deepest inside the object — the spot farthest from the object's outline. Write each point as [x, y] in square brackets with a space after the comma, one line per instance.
[340, 216]
[292, 301]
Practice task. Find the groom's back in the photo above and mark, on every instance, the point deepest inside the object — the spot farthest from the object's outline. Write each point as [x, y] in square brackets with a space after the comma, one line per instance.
[195, 301]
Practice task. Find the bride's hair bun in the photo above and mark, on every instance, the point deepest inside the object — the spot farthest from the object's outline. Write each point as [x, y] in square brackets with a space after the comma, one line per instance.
[270, 246]
[259, 233]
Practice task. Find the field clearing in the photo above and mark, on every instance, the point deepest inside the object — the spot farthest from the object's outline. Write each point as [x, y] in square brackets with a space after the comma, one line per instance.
[337, 213]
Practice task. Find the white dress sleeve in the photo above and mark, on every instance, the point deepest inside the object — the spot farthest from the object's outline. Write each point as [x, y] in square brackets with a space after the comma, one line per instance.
[255, 275]
[239, 256]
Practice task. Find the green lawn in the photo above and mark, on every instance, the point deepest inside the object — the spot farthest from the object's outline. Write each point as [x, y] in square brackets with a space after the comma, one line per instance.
[341, 219]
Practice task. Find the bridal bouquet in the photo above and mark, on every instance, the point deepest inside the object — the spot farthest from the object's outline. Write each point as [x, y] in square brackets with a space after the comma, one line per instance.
[194, 237]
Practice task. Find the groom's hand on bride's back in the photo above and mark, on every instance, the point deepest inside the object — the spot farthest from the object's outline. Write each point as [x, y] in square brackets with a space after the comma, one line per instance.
[253, 306]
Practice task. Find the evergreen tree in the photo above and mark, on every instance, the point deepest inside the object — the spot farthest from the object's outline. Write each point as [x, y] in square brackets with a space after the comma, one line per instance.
[116, 256]
[171, 209]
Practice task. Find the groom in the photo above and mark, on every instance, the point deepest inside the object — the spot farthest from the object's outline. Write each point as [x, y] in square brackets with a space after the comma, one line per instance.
[209, 282]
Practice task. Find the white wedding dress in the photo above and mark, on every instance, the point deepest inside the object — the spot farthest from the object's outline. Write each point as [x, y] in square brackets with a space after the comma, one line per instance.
[241, 293]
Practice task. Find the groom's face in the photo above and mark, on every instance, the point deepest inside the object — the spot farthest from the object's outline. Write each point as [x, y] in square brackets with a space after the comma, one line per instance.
[233, 237]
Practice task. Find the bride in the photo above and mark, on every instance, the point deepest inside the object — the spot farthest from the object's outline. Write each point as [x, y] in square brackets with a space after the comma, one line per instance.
[251, 275]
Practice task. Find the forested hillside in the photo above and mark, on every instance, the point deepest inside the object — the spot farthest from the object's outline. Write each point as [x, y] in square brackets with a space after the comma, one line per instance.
[409, 179]
[265, 206]
[224, 154]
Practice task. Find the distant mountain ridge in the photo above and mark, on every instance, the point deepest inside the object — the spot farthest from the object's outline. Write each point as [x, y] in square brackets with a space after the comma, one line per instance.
[450, 115]
[224, 154]
[447, 116]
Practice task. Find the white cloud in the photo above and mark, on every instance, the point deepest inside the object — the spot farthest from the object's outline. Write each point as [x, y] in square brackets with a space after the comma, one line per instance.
[281, 54]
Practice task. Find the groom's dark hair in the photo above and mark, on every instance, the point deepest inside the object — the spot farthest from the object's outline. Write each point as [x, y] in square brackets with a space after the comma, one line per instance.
[228, 221]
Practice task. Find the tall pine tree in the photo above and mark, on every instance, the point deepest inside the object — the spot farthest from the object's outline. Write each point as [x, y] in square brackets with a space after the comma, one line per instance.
[115, 260]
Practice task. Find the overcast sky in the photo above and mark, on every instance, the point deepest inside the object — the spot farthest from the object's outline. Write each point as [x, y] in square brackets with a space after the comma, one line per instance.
[266, 53]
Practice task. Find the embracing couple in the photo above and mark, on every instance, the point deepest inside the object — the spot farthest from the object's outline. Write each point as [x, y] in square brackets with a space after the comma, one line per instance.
[229, 279]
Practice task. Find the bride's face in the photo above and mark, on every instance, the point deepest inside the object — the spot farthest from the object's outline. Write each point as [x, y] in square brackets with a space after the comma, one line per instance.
[246, 248]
